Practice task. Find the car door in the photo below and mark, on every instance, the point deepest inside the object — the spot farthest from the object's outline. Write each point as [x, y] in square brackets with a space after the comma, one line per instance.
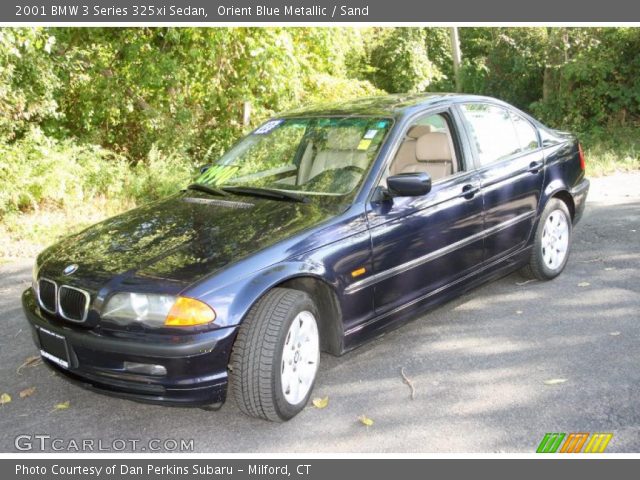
[421, 244]
[511, 173]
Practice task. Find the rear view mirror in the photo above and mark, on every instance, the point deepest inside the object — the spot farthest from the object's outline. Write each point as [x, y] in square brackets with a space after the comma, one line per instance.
[409, 184]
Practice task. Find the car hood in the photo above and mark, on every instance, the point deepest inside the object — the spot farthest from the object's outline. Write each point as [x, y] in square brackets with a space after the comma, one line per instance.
[182, 238]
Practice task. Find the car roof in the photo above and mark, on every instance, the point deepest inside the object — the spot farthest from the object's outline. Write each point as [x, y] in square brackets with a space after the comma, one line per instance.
[385, 105]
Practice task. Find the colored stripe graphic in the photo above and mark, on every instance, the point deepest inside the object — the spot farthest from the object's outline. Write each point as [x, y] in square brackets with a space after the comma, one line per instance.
[550, 443]
[598, 442]
[574, 442]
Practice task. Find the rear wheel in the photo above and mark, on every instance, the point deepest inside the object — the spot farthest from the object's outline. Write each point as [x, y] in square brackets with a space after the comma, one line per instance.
[552, 242]
[276, 355]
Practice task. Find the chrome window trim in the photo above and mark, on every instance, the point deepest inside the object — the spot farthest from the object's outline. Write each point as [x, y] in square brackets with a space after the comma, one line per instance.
[386, 274]
[86, 305]
[55, 295]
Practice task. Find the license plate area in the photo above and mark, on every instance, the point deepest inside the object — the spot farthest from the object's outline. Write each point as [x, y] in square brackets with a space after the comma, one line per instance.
[53, 347]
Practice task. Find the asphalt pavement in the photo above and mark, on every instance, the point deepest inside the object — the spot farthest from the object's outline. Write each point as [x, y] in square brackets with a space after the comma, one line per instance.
[492, 371]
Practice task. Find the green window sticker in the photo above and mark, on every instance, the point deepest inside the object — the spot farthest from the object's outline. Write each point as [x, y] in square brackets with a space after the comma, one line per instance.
[217, 174]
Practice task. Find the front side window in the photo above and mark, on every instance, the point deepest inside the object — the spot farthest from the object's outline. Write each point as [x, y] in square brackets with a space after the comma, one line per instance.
[493, 132]
[427, 147]
[321, 156]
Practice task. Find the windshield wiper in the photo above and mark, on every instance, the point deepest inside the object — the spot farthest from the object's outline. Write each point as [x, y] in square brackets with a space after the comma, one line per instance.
[266, 192]
[207, 189]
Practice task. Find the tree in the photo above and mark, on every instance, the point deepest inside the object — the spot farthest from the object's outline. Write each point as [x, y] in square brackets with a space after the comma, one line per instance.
[401, 62]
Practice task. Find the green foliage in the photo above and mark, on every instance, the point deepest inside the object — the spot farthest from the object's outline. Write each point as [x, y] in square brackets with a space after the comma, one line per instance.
[598, 83]
[323, 88]
[400, 61]
[27, 80]
[159, 175]
[507, 63]
[183, 89]
[38, 170]
[609, 150]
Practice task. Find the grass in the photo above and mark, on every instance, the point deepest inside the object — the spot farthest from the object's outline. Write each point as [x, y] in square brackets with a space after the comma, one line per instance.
[25, 234]
[611, 151]
[54, 188]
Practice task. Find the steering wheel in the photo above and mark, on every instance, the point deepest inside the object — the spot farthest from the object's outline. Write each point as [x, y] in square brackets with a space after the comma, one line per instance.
[352, 168]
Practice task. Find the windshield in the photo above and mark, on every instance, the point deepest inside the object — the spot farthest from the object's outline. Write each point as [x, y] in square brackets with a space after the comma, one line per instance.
[321, 156]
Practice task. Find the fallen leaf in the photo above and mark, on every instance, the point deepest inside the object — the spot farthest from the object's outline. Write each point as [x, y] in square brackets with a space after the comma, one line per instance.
[5, 398]
[614, 334]
[555, 381]
[321, 402]
[584, 284]
[27, 392]
[365, 420]
[62, 406]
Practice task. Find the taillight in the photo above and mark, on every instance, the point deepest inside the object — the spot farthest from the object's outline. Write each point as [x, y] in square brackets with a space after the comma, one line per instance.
[581, 155]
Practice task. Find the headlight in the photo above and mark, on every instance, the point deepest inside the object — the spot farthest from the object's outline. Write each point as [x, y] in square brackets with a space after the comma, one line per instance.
[157, 310]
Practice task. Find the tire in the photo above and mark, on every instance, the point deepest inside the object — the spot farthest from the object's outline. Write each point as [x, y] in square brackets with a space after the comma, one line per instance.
[271, 375]
[552, 242]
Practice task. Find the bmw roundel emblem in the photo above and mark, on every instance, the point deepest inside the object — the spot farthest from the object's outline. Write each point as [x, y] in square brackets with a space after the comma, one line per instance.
[69, 269]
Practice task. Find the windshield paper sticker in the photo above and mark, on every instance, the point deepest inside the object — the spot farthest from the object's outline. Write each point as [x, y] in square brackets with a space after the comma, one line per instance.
[370, 133]
[364, 144]
[267, 127]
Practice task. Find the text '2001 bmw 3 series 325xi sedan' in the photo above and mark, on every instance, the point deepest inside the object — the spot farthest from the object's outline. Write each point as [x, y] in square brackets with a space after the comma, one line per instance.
[321, 229]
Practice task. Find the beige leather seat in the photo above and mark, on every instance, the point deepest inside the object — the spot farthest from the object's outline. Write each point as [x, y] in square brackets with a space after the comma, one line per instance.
[341, 150]
[406, 155]
[434, 155]
[425, 150]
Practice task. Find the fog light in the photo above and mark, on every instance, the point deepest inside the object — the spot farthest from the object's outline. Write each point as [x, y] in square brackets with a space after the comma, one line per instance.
[145, 368]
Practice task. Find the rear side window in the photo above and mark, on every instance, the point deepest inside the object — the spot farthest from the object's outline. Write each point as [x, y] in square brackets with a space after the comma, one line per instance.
[496, 133]
[526, 133]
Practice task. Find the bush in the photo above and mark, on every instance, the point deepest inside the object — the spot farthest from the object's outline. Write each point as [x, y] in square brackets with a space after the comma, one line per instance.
[161, 174]
[38, 170]
[401, 64]
[609, 150]
[326, 88]
[28, 83]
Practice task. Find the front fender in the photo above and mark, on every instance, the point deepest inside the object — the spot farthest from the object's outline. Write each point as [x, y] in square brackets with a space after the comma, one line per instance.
[232, 301]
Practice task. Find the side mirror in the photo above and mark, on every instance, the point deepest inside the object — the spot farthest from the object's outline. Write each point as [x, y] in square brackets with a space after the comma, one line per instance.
[204, 168]
[412, 184]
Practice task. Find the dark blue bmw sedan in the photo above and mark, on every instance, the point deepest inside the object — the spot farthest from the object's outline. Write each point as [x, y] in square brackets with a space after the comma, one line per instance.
[321, 229]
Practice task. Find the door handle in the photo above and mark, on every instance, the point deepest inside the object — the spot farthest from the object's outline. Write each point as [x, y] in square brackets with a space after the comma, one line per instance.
[470, 190]
[535, 167]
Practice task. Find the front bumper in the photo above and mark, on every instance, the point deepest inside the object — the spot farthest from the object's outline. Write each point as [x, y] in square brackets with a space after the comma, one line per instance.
[196, 365]
[579, 194]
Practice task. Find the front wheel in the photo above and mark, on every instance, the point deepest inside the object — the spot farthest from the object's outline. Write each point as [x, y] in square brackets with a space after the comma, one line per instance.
[552, 242]
[275, 358]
